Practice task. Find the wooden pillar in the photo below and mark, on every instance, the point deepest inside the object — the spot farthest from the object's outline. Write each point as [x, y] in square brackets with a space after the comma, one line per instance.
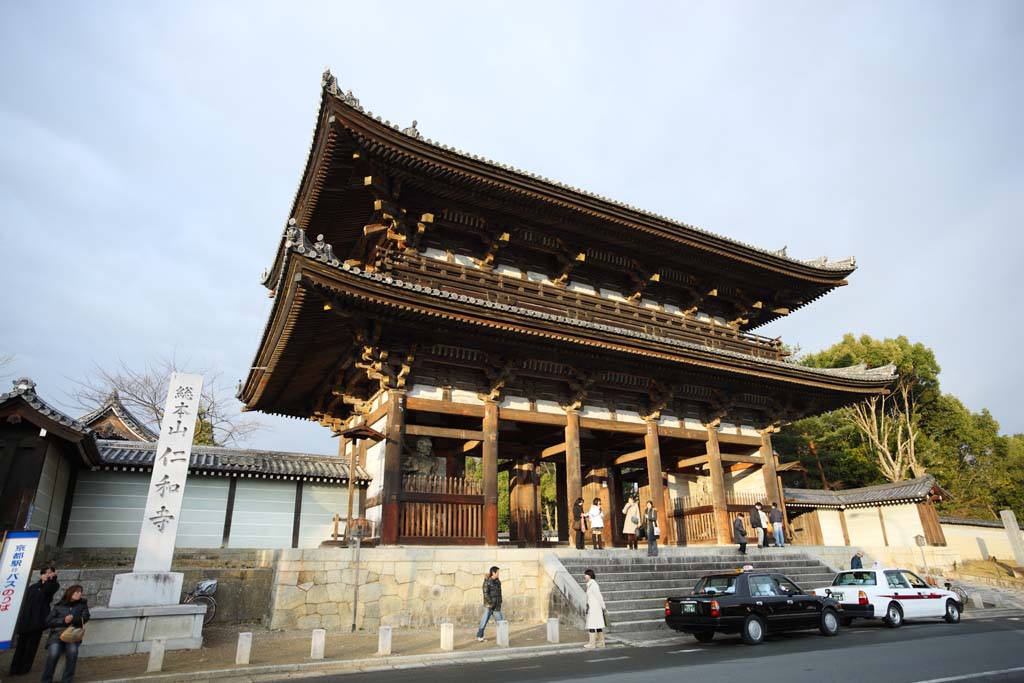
[297, 517]
[524, 502]
[562, 504]
[719, 502]
[668, 527]
[392, 480]
[573, 475]
[652, 444]
[615, 504]
[772, 491]
[881, 521]
[490, 472]
[842, 523]
[229, 512]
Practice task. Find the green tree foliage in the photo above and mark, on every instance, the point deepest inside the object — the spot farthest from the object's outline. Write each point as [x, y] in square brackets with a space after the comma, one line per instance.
[983, 470]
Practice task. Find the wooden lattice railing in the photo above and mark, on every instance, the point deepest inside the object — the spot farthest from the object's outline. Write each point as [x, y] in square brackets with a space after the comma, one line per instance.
[458, 486]
[453, 522]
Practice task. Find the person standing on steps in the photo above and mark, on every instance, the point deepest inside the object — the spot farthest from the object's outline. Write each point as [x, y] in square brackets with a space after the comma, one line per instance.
[775, 517]
[596, 515]
[630, 521]
[595, 611]
[739, 533]
[765, 524]
[32, 620]
[492, 601]
[755, 523]
[651, 529]
[579, 523]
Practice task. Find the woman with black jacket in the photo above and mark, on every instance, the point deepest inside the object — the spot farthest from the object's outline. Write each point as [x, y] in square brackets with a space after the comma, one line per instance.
[579, 522]
[71, 611]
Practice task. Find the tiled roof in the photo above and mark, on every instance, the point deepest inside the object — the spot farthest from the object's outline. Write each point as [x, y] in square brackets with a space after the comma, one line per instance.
[241, 461]
[994, 523]
[25, 389]
[114, 406]
[911, 490]
[300, 244]
[330, 85]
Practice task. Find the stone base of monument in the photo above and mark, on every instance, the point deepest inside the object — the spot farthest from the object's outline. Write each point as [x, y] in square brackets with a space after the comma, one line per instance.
[142, 589]
[128, 630]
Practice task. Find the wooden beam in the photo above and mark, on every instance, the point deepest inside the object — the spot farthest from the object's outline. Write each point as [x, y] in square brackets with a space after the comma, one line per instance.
[444, 432]
[552, 451]
[430, 405]
[730, 457]
[469, 446]
[690, 462]
[630, 457]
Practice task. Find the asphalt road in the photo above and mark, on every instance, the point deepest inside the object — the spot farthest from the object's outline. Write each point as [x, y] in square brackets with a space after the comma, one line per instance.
[917, 652]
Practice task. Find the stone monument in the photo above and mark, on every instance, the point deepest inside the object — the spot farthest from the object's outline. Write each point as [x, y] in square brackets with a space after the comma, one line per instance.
[144, 604]
[1013, 531]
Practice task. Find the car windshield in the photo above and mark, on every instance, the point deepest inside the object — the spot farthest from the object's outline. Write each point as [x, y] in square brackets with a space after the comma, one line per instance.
[914, 580]
[712, 585]
[854, 579]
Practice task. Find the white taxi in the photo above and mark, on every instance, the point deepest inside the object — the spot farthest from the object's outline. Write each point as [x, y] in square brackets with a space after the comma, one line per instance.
[890, 594]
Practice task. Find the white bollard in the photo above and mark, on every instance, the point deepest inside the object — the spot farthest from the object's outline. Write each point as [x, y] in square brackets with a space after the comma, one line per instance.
[447, 637]
[977, 602]
[503, 634]
[316, 650]
[244, 650]
[553, 630]
[384, 640]
[156, 655]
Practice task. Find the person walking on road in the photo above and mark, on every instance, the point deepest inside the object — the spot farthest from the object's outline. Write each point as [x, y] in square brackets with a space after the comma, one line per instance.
[579, 523]
[739, 533]
[755, 523]
[595, 611]
[32, 621]
[775, 517]
[67, 622]
[596, 515]
[492, 601]
[630, 521]
[651, 529]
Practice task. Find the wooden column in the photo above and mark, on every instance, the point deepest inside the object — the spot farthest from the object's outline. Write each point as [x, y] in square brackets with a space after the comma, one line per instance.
[229, 512]
[392, 481]
[881, 521]
[573, 475]
[652, 444]
[490, 472]
[771, 478]
[524, 499]
[842, 523]
[668, 527]
[615, 504]
[719, 502]
[297, 518]
[562, 504]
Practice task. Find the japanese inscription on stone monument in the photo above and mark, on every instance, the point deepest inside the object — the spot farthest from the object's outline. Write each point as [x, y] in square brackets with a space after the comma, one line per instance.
[170, 469]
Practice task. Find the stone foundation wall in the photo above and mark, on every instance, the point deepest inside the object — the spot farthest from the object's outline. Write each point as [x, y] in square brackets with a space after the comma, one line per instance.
[404, 586]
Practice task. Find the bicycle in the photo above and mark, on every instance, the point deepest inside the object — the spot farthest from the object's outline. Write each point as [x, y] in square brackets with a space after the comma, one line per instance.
[203, 595]
[961, 594]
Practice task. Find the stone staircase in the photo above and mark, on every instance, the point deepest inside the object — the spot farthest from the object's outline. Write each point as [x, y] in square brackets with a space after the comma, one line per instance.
[635, 586]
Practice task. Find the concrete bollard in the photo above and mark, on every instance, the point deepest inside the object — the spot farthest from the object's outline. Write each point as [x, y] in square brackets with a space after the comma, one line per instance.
[502, 634]
[384, 640]
[244, 650]
[447, 637]
[976, 601]
[156, 655]
[553, 630]
[316, 650]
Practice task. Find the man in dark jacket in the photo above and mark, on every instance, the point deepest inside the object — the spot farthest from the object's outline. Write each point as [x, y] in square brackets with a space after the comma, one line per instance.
[855, 561]
[32, 620]
[775, 518]
[739, 533]
[755, 523]
[492, 601]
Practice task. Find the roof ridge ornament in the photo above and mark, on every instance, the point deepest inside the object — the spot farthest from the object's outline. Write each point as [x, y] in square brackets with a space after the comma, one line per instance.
[412, 132]
[24, 385]
[295, 238]
[329, 83]
[781, 252]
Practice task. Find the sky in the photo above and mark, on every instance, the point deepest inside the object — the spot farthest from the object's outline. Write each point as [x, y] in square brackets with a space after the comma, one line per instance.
[150, 153]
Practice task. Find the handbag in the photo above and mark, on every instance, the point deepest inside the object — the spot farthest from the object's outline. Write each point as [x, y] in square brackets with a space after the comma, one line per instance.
[657, 530]
[72, 634]
[576, 525]
[635, 520]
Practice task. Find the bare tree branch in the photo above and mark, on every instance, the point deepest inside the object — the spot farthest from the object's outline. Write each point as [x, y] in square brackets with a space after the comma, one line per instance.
[888, 426]
[6, 360]
[144, 391]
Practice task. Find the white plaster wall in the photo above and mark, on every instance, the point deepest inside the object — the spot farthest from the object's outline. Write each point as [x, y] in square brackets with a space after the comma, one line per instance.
[48, 504]
[749, 480]
[864, 526]
[831, 527]
[264, 514]
[319, 505]
[978, 542]
[902, 524]
[375, 468]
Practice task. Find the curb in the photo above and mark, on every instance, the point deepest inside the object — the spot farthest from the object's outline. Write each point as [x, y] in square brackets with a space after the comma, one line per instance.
[342, 666]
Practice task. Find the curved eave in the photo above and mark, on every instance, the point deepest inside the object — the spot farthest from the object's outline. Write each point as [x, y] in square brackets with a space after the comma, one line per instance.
[417, 152]
[304, 273]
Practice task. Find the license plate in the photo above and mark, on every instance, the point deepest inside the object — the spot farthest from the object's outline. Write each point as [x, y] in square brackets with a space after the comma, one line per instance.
[838, 595]
[689, 608]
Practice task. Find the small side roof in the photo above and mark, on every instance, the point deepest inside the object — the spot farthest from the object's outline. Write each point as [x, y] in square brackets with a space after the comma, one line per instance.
[22, 403]
[908, 491]
[114, 420]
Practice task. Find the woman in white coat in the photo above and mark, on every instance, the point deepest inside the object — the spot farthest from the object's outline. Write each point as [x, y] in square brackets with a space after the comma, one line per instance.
[595, 611]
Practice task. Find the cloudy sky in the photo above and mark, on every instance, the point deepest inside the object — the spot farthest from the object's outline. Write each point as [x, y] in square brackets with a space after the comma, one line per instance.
[150, 151]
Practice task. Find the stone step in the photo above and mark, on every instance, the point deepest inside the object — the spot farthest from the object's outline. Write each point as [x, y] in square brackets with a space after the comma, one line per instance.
[628, 591]
[599, 564]
[607, 580]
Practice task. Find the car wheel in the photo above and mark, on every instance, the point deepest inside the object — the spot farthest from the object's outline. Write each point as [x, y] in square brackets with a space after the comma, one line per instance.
[704, 636]
[753, 630]
[829, 625]
[894, 615]
[846, 621]
[952, 615]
